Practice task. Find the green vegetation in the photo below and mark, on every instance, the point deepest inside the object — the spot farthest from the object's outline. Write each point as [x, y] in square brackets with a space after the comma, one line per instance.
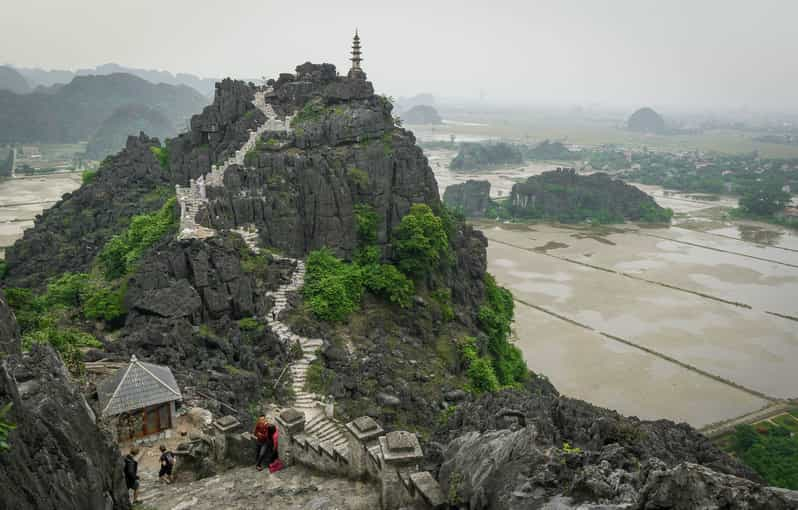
[570, 450]
[478, 155]
[5, 427]
[318, 378]
[250, 324]
[652, 213]
[162, 155]
[251, 157]
[563, 195]
[444, 299]
[120, 255]
[420, 241]
[88, 176]
[744, 175]
[359, 177]
[772, 452]
[256, 264]
[764, 199]
[3, 268]
[495, 317]
[313, 111]
[479, 369]
[333, 289]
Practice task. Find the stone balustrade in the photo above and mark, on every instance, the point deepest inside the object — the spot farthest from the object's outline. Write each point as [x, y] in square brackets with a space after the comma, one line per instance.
[390, 460]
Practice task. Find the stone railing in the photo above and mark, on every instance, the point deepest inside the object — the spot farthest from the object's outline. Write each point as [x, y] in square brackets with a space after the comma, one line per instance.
[390, 460]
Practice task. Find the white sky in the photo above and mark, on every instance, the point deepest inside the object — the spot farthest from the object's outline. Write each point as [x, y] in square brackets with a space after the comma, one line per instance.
[627, 52]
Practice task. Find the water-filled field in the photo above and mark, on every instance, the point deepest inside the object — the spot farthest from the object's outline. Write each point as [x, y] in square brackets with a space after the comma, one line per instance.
[22, 198]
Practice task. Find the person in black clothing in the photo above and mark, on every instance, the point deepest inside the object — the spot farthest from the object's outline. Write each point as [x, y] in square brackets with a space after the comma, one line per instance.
[167, 463]
[132, 473]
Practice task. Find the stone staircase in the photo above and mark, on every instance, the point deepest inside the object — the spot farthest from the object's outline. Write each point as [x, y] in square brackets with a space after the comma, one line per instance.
[193, 198]
[319, 425]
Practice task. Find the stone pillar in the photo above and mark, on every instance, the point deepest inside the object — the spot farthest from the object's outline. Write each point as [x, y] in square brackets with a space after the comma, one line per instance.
[401, 454]
[361, 434]
[290, 423]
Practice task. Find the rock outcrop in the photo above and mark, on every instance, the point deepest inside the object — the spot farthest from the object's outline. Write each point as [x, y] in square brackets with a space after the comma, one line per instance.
[9, 332]
[566, 196]
[422, 114]
[58, 459]
[472, 156]
[534, 449]
[185, 306]
[70, 234]
[646, 120]
[471, 198]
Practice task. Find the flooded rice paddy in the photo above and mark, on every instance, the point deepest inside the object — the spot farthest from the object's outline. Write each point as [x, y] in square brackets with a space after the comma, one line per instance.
[22, 198]
[666, 322]
[695, 322]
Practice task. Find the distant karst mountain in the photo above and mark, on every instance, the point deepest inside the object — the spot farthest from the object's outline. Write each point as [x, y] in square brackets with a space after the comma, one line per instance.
[646, 120]
[75, 111]
[47, 78]
[422, 114]
[12, 81]
[128, 120]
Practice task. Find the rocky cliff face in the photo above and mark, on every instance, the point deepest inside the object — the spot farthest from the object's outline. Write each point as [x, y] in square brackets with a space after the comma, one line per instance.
[566, 196]
[58, 458]
[69, 235]
[299, 187]
[472, 198]
[185, 305]
[9, 332]
[534, 449]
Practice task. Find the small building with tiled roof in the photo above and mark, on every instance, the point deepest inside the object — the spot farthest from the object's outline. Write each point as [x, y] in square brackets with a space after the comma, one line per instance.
[138, 400]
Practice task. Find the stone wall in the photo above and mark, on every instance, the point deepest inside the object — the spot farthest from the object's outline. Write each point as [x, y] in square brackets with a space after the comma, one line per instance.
[390, 460]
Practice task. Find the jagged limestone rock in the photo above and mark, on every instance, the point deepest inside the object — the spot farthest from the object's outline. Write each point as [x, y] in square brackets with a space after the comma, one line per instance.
[472, 198]
[59, 459]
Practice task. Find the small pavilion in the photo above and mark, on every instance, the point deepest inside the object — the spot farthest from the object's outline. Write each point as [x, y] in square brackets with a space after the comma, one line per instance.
[138, 400]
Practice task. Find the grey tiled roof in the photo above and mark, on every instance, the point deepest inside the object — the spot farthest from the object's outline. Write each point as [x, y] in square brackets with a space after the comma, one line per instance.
[136, 386]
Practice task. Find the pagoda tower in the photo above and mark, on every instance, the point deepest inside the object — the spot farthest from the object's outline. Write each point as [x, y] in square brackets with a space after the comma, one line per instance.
[356, 72]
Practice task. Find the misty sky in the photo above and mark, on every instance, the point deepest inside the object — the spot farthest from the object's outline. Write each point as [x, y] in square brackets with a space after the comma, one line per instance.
[670, 52]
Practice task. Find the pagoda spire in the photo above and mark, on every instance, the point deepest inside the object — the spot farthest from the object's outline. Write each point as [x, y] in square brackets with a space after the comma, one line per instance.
[356, 71]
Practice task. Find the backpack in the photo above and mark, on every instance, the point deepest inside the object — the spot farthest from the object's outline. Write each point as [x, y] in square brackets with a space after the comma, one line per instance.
[169, 458]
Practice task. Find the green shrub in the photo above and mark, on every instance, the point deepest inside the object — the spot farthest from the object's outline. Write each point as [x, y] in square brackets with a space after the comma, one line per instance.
[120, 254]
[102, 302]
[88, 176]
[250, 324]
[3, 269]
[251, 158]
[366, 220]
[388, 282]
[162, 155]
[773, 454]
[495, 318]
[420, 241]
[481, 377]
[313, 111]
[5, 427]
[444, 299]
[359, 177]
[66, 290]
[333, 289]
[256, 264]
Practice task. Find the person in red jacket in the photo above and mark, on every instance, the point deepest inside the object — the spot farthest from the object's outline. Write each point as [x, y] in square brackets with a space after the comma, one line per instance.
[262, 440]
